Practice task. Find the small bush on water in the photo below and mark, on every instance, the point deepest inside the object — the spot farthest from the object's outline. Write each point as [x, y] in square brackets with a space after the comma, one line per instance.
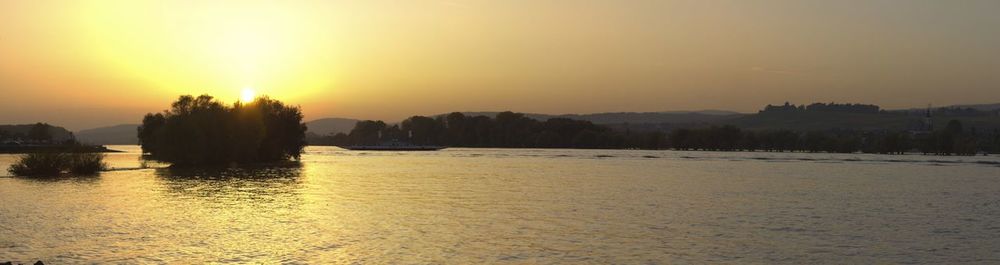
[35, 164]
[87, 163]
[49, 164]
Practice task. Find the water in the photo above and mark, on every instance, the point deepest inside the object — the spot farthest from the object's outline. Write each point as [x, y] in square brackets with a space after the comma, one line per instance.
[470, 206]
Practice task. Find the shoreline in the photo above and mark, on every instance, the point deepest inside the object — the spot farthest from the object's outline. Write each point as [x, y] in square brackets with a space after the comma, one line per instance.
[24, 149]
[911, 152]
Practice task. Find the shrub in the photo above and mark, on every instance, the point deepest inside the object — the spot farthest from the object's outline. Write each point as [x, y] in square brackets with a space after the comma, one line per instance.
[87, 163]
[50, 164]
[35, 164]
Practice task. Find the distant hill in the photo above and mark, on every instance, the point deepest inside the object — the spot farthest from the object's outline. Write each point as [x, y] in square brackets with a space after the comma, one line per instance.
[678, 117]
[811, 121]
[58, 133]
[981, 107]
[792, 120]
[330, 126]
[124, 134]
[983, 118]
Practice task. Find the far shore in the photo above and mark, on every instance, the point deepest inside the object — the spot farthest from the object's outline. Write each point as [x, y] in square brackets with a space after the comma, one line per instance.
[23, 149]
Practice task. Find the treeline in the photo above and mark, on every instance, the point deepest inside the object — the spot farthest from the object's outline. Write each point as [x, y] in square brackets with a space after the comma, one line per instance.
[951, 111]
[953, 140]
[507, 129]
[826, 107]
[514, 130]
[964, 112]
[203, 131]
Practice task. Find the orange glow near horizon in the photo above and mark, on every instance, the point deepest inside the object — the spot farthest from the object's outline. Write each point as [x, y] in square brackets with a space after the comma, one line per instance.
[207, 49]
[111, 61]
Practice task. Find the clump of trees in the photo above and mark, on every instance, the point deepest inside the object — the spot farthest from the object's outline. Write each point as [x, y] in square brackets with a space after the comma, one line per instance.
[203, 131]
[40, 132]
[954, 139]
[54, 163]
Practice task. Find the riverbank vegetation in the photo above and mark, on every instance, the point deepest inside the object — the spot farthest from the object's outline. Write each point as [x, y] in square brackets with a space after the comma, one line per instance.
[515, 130]
[42, 137]
[203, 131]
[54, 163]
[952, 140]
[64, 147]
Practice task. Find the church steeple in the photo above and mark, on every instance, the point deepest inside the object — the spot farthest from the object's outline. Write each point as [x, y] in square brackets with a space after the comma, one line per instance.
[928, 122]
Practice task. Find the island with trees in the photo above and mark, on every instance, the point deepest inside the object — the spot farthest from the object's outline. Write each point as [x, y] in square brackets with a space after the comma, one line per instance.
[201, 130]
[194, 131]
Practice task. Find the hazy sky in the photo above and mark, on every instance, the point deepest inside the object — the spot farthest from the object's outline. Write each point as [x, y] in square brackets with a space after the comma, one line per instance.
[85, 64]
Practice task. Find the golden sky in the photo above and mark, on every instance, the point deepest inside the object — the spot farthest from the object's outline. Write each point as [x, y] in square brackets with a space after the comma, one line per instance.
[85, 64]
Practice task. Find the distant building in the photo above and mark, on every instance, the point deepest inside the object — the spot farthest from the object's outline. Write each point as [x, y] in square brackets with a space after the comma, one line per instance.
[926, 125]
[928, 122]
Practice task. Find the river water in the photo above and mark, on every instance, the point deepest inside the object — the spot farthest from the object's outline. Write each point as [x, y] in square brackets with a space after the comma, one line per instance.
[471, 206]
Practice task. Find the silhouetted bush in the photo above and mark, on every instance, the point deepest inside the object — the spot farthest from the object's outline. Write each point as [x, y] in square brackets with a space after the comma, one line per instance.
[203, 131]
[50, 163]
[37, 164]
[87, 163]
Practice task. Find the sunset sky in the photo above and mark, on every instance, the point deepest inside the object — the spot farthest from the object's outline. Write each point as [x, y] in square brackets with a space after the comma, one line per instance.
[83, 64]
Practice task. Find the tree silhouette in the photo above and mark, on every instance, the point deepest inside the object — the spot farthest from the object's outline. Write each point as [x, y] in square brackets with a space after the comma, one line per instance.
[202, 131]
[40, 132]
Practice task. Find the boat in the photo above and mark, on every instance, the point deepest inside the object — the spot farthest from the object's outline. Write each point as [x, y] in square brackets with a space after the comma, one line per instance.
[394, 146]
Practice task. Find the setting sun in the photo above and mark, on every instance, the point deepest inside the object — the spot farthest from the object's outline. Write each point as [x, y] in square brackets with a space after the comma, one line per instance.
[248, 95]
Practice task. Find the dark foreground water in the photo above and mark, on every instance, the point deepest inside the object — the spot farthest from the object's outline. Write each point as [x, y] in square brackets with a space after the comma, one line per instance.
[470, 206]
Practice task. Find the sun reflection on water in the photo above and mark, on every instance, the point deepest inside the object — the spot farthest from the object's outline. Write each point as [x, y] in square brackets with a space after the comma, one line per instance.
[506, 206]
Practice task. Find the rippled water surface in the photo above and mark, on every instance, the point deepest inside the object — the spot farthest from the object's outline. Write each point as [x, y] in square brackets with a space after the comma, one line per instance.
[468, 206]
